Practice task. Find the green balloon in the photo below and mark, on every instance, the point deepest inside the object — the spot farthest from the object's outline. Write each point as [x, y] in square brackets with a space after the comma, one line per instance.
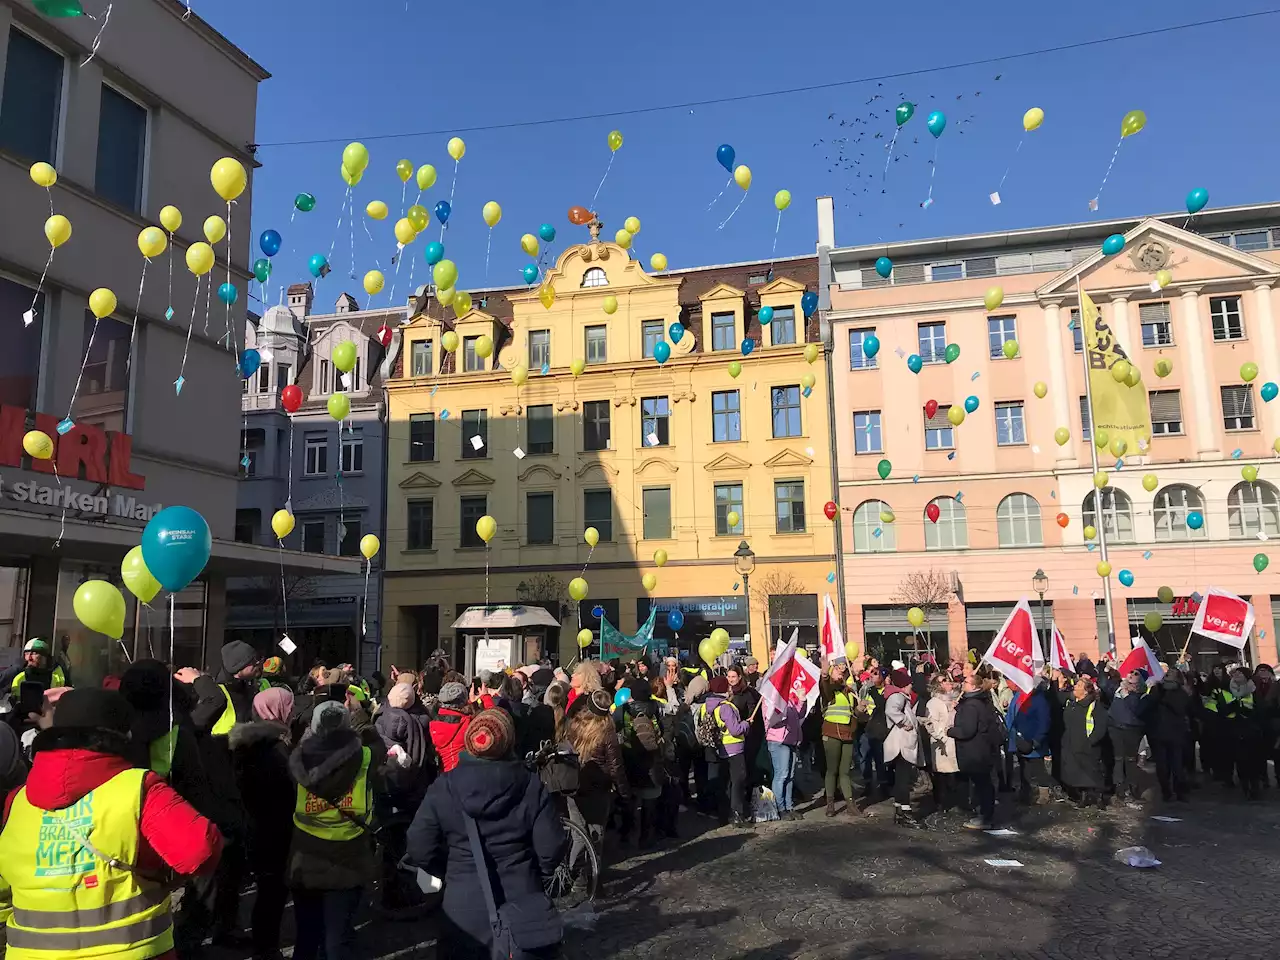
[305, 202]
[262, 269]
[1152, 621]
[883, 468]
[1010, 349]
[906, 110]
[952, 353]
[1165, 594]
[59, 8]
[1260, 561]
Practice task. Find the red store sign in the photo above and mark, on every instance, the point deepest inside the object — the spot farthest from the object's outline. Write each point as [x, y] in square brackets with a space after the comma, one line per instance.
[84, 452]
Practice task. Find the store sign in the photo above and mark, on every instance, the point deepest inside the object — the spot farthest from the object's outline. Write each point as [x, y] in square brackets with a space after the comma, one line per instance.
[1185, 607]
[67, 498]
[84, 452]
[717, 608]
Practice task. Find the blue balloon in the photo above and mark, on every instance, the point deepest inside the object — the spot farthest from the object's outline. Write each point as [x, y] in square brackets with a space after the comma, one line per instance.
[675, 619]
[1113, 244]
[676, 330]
[725, 156]
[1197, 199]
[547, 232]
[884, 267]
[766, 316]
[747, 346]
[870, 345]
[1195, 520]
[1269, 391]
[622, 697]
[970, 404]
[530, 273]
[270, 242]
[433, 252]
[318, 265]
[250, 361]
[662, 351]
[809, 303]
[228, 293]
[175, 546]
[1126, 578]
[914, 363]
[936, 123]
[443, 210]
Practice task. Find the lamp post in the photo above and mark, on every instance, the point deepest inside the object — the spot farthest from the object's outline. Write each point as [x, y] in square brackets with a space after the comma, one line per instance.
[1040, 583]
[744, 561]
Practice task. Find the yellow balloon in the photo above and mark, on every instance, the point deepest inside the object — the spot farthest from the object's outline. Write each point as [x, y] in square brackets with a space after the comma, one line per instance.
[1119, 446]
[170, 218]
[1149, 482]
[649, 581]
[1132, 123]
[374, 282]
[492, 213]
[615, 140]
[807, 380]
[199, 258]
[426, 176]
[1163, 278]
[720, 639]
[351, 177]
[445, 296]
[355, 157]
[610, 304]
[486, 527]
[1133, 377]
[457, 148]
[735, 369]
[377, 210]
[852, 650]
[1104, 568]
[622, 239]
[578, 589]
[782, 199]
[529, 244]
[1032, 119]
[484, 347]
[100, 607]
[915, 616]
[1100, 479]
[445, 273]
[520, 375]
[1101, 438]
[577, 365]
[887, 516]
[43, 174]
[405, 232]
[369, 546]
[585, 638]
[228, 178]
[38, 445]
[418, 217]
[339, 406]
[658, 262]
[1090, 532]
[462, 305]
[659, 558]
[591, 535]
[732, 518]
[742, 176]
[631, 225]
[152, 241]
[102, 303]
[811, 353]
[955, 413]
[1120, 370]
[58, 230]
[1163, 368]
[215, 228]
[137, 578]
[1275, 444]
[993, 298]
[1041, 389]
[449, 341]
[404, 170]
[547, 295]
[802, 653]
[1061, 436]
[282, 523]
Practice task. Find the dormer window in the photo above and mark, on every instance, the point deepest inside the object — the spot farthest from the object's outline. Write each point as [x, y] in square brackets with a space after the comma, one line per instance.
[595, 277]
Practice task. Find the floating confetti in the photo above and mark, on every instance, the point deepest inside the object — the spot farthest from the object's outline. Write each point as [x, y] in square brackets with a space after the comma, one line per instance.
[1035, 448]
[546, 368]
[477, 442]
[1237, 453]
[975, 376]
[1262, 535]
[900, 352]
[995, 202]
[951, 455]
[1053, 494]
[434, 389]
[66, 424]
[1262, 634]
[876, 532]
[831, 578]
[168, 314]
[1146, 555]
[1119, 464]
[651, 439]
[915, 478]
[444, 414]
[1091, 547]
[736, 584]
[1071, 324]
[1196, 596]
[1075, 590]
[959, 496]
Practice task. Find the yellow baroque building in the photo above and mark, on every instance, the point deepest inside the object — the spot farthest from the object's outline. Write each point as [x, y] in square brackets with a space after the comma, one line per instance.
[656, 457]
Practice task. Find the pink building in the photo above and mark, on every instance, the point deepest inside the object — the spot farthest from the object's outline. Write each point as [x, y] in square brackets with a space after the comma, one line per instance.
[1011, 501]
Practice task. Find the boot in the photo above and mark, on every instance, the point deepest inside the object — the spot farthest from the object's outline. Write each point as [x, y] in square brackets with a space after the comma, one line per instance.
[831, 807]
[851, 810]
[902, 817]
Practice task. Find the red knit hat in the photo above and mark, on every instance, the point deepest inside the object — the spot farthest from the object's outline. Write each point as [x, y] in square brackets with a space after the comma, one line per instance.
[491, 735]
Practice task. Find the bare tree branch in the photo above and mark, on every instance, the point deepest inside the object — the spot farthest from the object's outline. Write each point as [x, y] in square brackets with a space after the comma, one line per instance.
[930, 590]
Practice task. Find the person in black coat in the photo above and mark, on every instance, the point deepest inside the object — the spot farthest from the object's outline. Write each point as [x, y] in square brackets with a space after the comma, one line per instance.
[1084, 730]
[1168, 726]
[978, 732]
[520, 834]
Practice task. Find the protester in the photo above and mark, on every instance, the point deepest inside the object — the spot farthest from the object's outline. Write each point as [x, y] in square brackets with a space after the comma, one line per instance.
[1168, 727]
[585, 680]
[1245, 736]
[901, 746]
[37, 666]
[1085, 727]
[1126, 724]
[1027, 722]
[978, 733]
[593, 736]
[642, 757]
[939, 718]
[836, 704]
[783, 738]
[731, 728]
[449, 727]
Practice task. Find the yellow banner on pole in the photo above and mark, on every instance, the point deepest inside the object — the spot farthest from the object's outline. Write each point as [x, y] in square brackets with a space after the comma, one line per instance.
[1118, 395]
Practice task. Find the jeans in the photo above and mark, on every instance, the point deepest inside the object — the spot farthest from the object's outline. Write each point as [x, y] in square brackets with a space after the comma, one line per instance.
[1125, 742]
[783, 757]
[325, 920]
[839, 758]
[871, 754]
[1171, 770]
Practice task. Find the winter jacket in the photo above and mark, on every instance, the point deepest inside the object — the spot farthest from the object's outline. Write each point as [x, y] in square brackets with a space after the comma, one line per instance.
[260, 751]
[598, 776]
[975, 730]
[1027, 721]
[1082, 747]
[641, 746]
[784, 727]
[13, 768]
[408, 775]
[522, 838]
[902, 738]
[448, 733]
[1128, 711]
[215, 755]
[535, 725]
[1168, 712]
[937, 722]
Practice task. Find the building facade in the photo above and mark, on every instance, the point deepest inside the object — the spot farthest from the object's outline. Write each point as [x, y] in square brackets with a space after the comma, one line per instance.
[1010, 501]
[653, 456]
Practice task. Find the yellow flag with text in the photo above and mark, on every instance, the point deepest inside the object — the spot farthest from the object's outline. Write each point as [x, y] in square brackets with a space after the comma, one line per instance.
[1119, 395]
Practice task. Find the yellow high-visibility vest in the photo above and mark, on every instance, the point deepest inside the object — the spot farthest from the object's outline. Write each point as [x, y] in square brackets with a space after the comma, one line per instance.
[228, 718]
[1088, 720]
[68, 902]
[839, 710]
[58, 679]
[725, 736]
[320, 818]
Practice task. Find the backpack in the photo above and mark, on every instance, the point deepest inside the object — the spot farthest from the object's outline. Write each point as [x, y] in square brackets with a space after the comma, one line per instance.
[707, 730]
[994, 732]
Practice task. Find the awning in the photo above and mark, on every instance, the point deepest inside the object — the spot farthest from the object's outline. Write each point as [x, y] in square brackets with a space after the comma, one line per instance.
[504, 617]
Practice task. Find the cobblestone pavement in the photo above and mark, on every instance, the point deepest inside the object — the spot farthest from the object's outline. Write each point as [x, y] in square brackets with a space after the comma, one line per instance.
[823, 889]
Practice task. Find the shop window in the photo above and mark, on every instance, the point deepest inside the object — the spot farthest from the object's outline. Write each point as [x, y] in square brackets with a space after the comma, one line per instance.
[870, 533]
[31, 108]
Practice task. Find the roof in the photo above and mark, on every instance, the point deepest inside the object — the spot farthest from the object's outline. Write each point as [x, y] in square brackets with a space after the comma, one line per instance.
[503, 617]
[184, 11]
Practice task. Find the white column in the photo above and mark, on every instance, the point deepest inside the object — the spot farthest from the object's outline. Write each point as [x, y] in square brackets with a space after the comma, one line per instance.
[1205, 425]
[1122, 327]
[1059, 386]
[1268, 358]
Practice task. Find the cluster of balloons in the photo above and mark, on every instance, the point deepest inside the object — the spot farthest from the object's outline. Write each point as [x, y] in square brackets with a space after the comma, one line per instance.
[713, 646]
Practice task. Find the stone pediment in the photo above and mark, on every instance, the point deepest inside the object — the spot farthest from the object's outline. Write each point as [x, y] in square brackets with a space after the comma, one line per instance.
[598, 466]
[418, 481]
[656, 463]
[722, 291]
[473, 478]
[788, 458]
[727, 462]
[538, 472]
[781, 285]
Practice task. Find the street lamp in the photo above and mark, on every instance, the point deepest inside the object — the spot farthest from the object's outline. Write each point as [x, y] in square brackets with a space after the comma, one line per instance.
[1040, 584]
[744, 561]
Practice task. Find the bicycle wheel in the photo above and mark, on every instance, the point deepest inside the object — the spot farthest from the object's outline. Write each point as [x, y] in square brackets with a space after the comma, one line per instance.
[577, 878]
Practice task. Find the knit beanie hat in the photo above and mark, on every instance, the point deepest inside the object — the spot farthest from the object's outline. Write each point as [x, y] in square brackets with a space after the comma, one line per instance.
[272, 665]
[599, 703]
[329, 715]
[401, 695]
[237, 655]
[453, 694]
[900, 678]
[91, 708]
[491, 735]
[147, 684]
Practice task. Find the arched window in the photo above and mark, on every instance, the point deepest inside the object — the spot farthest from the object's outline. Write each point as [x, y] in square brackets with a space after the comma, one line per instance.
[951, 532]
[1018, 521]
[595, 277]
[1170, 509]
[1117, 514]
[866, 521]
[1253, 508]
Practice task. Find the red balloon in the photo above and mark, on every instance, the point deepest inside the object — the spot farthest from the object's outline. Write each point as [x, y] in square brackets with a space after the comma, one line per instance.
[930, 408]
[932, 512]
[580, 215]
[1063, 519]
[384, 335]
[291, 398]
[831, 509]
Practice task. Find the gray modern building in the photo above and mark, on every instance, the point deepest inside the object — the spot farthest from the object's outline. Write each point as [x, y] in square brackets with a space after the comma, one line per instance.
[127, 137]
[328, 474]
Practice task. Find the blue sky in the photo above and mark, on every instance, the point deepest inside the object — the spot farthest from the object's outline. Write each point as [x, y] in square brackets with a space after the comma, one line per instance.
[344, 70]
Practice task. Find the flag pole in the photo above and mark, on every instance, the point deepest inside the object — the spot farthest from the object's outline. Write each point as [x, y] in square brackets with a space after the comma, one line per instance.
[1099, 509]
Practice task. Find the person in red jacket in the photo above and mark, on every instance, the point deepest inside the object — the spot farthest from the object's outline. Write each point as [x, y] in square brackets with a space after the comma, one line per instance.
[81, 777]
[449, 726]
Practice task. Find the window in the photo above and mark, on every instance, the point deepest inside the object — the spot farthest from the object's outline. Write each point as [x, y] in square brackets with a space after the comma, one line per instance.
[651, 334]
[541, 429]
[728, 500]
[595, 425]
[539, 349]
[1166, 412]
[1117, 514]
[326, 381]
[1011, 429]
[354, 376]
[421, 524]
[1000, 330]
[1170, 509]
[597, 351]
[933, 342]
[352, 454]
[951, 532]
[946, 271]
[1253, 509]
[264, 378]
[422, 437]
[313, 536]
[724, 332]
[122, 146]
[20, 360]
[595, 277]
[786, 411]
[866, 432]
[858, 359]
[247, 521]
[349, 532]
[783, 325]
[726, 419]
[475, 423]
[1157, 331]
[421, 364]
[1237, 407]
[249, 461]
[472, 362]
[316, 455]
[104, 385]
[597, 511]
[1018, 521]
[1086, 419]
[870, 535]
[472, 509]
[656, 505]
[1253, 240]
[655, 421]
[939, 434]
[32, 104]
[788, 505]
[284, 376]
[1227, 322]
[1077, 332]
[540, 517]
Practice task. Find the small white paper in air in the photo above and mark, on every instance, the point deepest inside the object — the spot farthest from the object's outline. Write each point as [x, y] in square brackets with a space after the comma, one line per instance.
[1155, 286]
[651, 439]
[477, 443]
[995, 199]
[28, 318]
[1093, 204]
[346, 381]
[519, 453]
[287, 645]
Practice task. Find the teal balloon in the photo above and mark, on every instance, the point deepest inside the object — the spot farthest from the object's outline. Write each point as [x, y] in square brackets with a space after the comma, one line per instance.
[970, 404]
[870, 345]
[1113, 244]
[676, 331]
[1197, 200]
[433, 253]
[1269, 391]
[906, 110]
[175, 546]
[914, 363]
[305, 202]
[622, 697]
[318, 265]
[662, 351]
[747, 346]
[547, 232]
[228, 293]
[1126, 578]
[936, 123]
[262, 269]
[884, 267]
[1195, 519]
[766, 315]
[952, 353]
[530, 273]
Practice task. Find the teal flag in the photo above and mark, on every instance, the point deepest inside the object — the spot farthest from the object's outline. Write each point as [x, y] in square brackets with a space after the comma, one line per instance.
[614, 643]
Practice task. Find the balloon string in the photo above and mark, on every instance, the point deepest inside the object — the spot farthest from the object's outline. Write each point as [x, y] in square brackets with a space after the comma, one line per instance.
[83, 363]
[97, 40]
[1010, 167]
[376, 261]
[133, 334]
[933, 172]
[128, 658]
[1093, 204]
[889, 158]
[49, 191]
[721, 193]
[231, 338]
[413, 265]
[589, 553]
[398, 257]
[289, 501]
[284, 593]
[44, 273]
[776, 228]
[404, 186]
[351, 230]
[487, 245]
[338, 226]
[169, 305]
[208, 300]
[612, 154]
[741, 201]
[452, 187]
[364, 610]
[194, 300]
[63, 526]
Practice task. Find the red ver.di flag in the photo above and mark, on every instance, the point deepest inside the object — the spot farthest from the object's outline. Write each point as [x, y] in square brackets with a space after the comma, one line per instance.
[1224, 617]
[832, 637]
[1059, 659]
[1016, 649]
[790, 680]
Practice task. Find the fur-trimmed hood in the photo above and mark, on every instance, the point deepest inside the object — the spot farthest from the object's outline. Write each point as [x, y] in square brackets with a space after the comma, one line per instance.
[245, 735]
